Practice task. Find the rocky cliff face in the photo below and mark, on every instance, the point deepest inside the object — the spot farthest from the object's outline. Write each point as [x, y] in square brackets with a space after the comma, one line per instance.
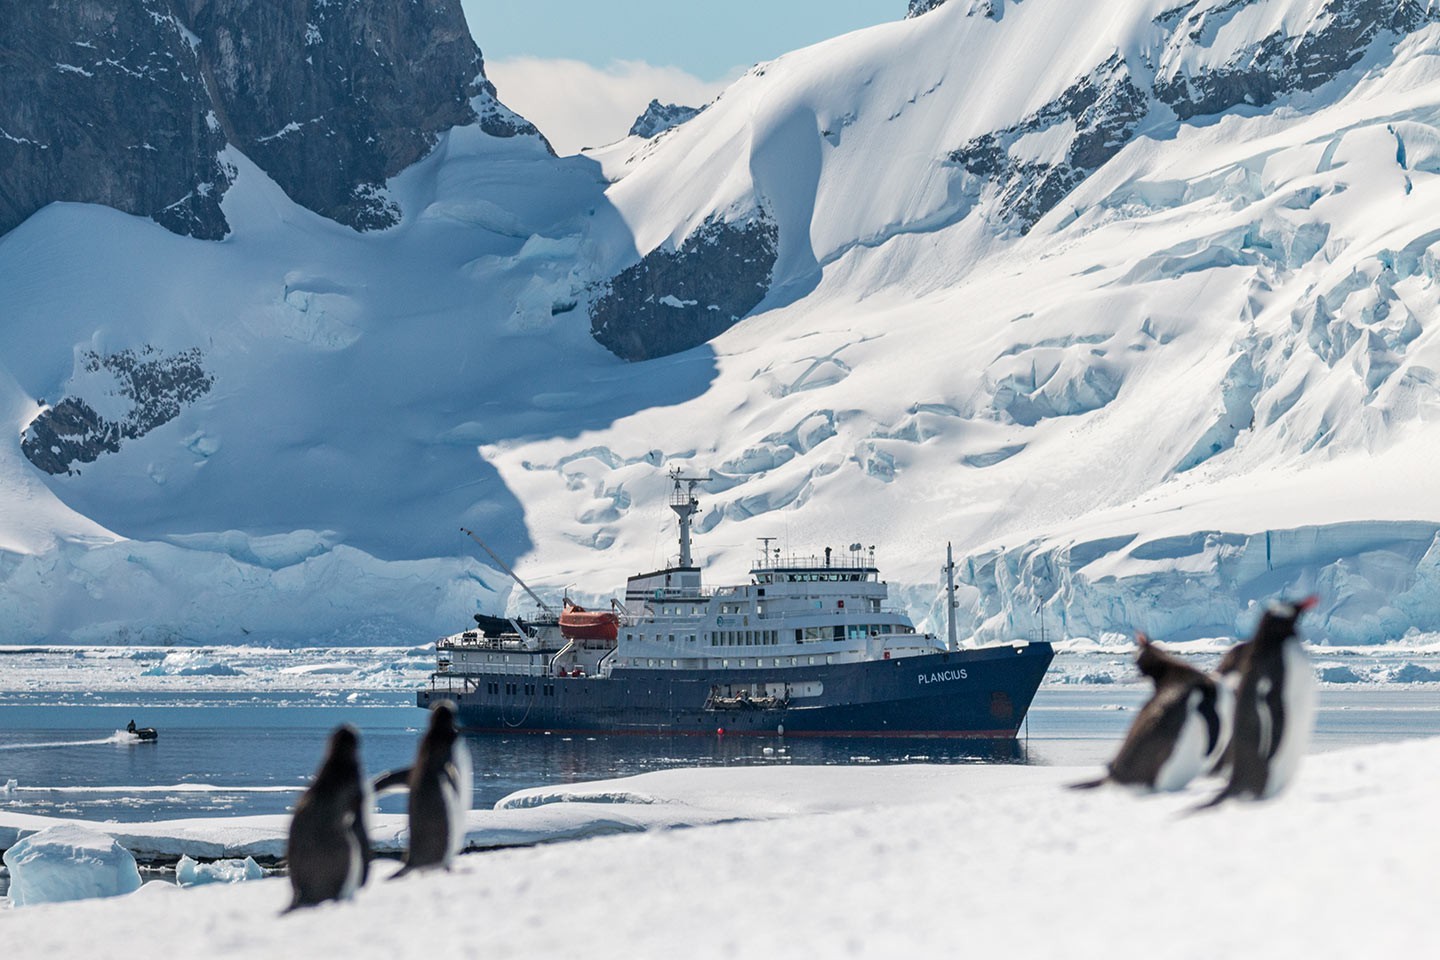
[131, 104]
[673, 300]
[103, 103]
[659, 117]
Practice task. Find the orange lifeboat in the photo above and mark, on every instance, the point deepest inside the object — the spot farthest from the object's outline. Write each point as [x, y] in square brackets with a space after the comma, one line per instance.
[577, 623]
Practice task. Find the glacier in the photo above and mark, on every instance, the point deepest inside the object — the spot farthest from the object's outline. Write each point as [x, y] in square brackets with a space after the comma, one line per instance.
[1133, 302]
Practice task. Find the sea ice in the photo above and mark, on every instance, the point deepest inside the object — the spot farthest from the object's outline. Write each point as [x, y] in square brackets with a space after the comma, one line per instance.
[69, 863]
[192, 873]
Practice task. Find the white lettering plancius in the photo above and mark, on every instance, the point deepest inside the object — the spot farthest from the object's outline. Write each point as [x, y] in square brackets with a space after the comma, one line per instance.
[940, 676]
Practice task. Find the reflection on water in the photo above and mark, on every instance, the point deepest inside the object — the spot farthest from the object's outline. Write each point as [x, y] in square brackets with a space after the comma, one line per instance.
[504, 764]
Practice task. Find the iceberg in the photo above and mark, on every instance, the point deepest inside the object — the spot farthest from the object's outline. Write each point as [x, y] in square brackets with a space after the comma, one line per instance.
[69, 862]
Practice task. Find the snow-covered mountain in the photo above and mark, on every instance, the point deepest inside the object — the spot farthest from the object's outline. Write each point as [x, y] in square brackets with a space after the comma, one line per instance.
[1132, 300]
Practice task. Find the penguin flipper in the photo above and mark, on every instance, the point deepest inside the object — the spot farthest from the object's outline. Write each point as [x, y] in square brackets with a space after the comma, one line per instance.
[391, 780]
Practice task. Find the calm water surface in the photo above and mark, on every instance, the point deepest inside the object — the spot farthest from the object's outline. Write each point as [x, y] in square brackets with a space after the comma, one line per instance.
[261, 749]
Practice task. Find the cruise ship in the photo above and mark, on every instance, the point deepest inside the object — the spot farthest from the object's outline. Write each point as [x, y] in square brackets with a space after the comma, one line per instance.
[808, 646]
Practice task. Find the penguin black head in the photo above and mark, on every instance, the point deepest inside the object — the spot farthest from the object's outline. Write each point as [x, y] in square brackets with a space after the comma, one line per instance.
[342, 754]
[1157, 664]
[442, 731]
[1278, 623]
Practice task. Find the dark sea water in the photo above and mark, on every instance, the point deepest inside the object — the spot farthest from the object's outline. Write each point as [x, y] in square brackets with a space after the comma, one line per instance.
[260, 749]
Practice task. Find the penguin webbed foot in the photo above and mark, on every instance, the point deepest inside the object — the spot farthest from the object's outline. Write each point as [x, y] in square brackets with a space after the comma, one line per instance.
[1089, 784]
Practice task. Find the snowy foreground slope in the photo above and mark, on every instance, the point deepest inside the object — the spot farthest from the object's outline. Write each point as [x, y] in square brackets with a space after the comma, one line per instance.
[976, 860]
[1146, 355]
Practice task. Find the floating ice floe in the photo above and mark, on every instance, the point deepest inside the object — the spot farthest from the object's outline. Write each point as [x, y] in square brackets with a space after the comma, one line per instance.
[190, 664]
[69, 862]
[192, 873]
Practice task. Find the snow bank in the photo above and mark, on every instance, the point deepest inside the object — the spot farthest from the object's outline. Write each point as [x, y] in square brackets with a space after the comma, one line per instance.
[985, 860]
[69, 862]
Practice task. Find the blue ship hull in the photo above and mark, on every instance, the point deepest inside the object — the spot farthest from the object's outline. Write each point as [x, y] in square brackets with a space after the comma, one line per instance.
[981, 693]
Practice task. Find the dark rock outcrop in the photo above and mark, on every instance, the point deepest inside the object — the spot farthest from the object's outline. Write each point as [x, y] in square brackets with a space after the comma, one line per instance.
[157, 387]
[131, 104]
[659, 117]
[673, 300]
[1105, 107]
[918, 7]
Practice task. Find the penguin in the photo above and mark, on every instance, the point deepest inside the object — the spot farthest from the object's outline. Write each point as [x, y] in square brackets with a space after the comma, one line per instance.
[440, 784]
[1180, 731]
[1274, 706]
[328, 851]
[1228, 671]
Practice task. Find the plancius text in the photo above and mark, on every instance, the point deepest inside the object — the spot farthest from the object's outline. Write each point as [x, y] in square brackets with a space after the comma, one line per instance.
[941, 676]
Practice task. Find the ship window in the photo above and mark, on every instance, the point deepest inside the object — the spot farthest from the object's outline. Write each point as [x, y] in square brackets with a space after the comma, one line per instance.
[672, 638]
[792, 661]
[799, 635]
[829, 658]
[812, 661]
[724, 663]
[674, 663]
[649, 663]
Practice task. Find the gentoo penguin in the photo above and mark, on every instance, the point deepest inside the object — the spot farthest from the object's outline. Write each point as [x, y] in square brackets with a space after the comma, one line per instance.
[1274, 705]
[439, 783]
[329, 850]
[1179, 732]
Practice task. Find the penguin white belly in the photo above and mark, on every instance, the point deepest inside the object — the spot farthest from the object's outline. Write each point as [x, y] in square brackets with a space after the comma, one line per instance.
[1187, 755]
[1298, 693]
[458, 799]
[1225, 710]
[356, 866]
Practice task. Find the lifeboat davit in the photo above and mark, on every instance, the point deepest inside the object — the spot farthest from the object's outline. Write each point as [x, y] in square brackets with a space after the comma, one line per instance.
[577, 623]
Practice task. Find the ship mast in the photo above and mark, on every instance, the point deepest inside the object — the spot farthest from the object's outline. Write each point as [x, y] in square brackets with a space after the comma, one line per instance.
[949, 572]
[685, 505]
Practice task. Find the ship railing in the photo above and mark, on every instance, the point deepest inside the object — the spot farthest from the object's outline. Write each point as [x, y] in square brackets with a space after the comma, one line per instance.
[854, 616]
[684, 593]
[814, 561]
[494, 670]
[476, 640]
